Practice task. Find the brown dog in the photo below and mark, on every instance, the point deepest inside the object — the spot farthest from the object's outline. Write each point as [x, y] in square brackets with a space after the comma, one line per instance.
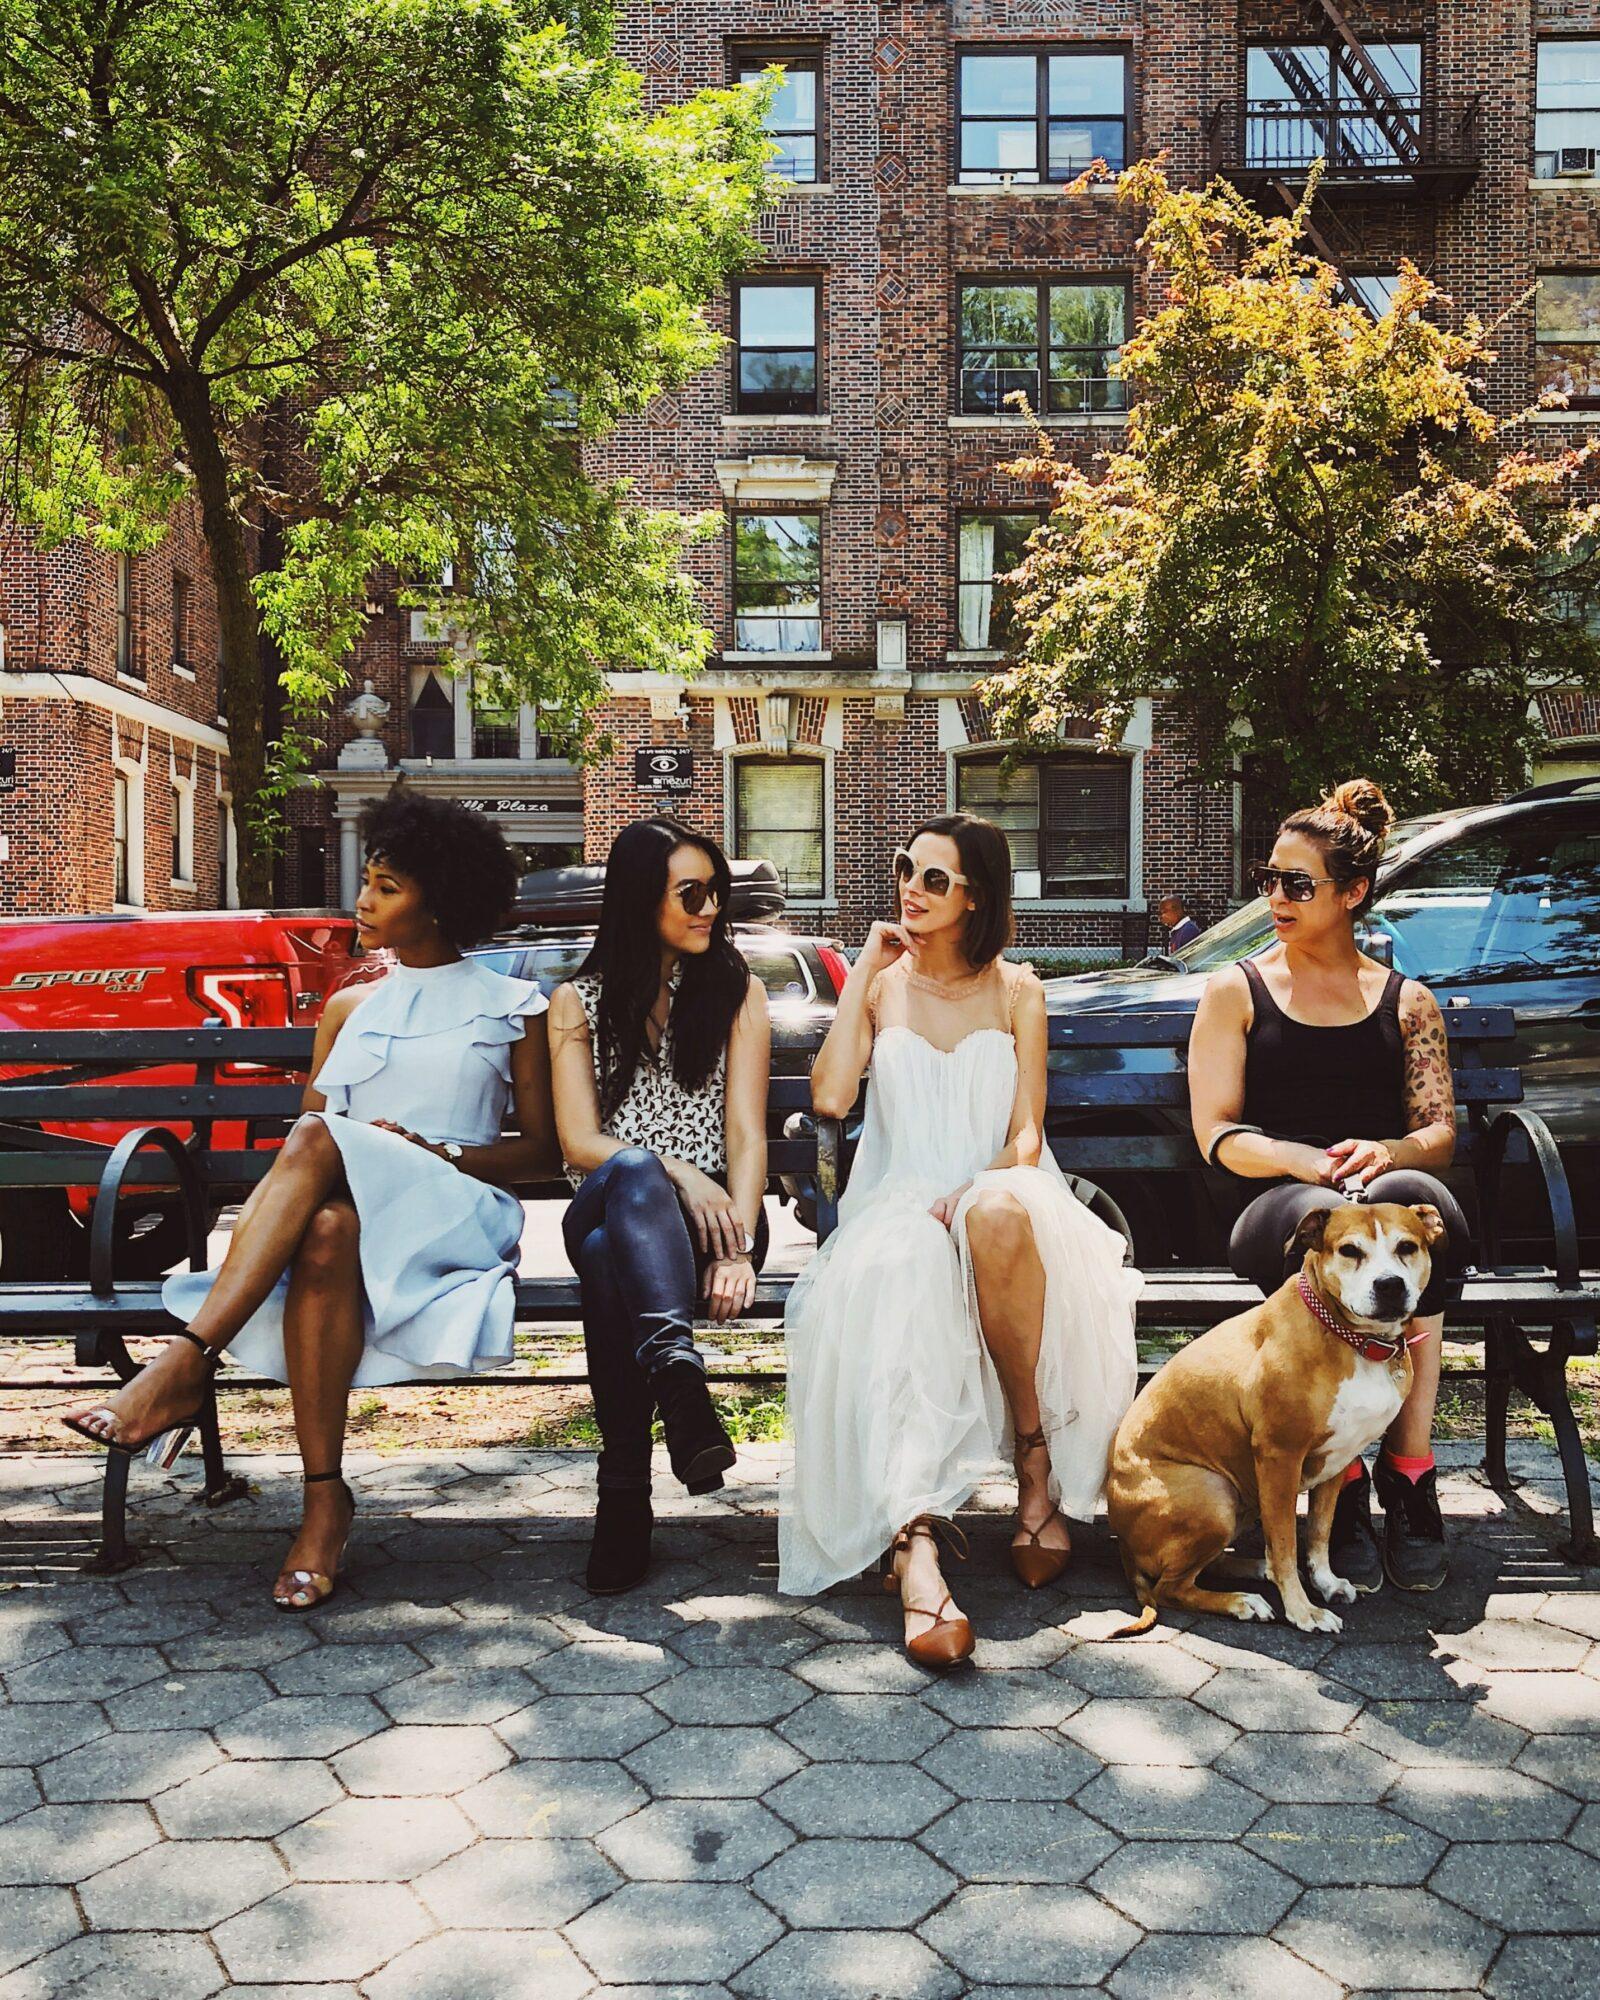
[1266, 1406]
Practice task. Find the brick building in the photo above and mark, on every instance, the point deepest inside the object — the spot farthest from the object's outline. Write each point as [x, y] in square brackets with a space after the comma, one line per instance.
[926, 258]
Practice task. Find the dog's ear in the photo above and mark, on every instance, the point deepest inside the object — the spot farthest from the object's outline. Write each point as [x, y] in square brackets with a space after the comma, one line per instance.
[1308, 1234]
[1433, 1229]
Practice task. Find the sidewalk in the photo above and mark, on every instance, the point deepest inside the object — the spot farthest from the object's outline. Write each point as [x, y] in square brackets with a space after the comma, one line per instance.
[469, 1778]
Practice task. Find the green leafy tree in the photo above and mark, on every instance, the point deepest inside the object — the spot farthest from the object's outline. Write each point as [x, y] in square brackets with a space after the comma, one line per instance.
[1314, 542]
[359, 278]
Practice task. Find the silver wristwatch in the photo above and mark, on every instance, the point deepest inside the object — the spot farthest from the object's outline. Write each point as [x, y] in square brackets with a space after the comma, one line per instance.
[452, 1151]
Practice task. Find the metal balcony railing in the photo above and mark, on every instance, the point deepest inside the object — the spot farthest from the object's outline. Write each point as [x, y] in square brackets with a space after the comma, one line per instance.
[1412, 145]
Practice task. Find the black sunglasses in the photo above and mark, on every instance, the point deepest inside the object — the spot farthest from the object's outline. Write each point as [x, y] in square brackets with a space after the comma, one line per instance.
[1298, 886]
[695, 895]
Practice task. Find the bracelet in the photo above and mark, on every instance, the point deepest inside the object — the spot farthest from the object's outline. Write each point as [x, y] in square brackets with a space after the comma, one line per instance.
[1227, 1132]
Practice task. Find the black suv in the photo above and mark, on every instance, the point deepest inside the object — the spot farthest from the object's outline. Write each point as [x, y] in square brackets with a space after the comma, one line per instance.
[1496, 905]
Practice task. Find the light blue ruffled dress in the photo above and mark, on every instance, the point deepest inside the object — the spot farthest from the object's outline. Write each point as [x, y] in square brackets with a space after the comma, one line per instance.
[429, 1048]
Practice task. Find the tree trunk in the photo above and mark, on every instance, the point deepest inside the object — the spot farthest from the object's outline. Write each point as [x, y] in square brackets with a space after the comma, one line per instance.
[241, 692]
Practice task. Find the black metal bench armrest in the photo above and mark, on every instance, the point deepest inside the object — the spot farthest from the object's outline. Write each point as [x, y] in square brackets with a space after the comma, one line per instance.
[1558, 1198]
[103, 1220]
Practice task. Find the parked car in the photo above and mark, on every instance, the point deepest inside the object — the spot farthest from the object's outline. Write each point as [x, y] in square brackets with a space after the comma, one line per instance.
[1492, 906]
[240, 968]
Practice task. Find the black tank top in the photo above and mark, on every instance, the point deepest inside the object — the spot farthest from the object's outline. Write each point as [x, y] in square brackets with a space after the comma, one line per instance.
[1319, 1085]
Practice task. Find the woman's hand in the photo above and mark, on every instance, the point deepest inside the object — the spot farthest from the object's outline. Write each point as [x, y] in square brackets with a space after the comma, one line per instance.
[411, 1138]
[729, 1287]
[944, 1209]
[885, 944]
[1358, 1160]
[717, 1225]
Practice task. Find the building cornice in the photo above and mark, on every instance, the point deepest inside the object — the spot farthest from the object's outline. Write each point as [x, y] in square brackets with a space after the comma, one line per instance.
[111, 699]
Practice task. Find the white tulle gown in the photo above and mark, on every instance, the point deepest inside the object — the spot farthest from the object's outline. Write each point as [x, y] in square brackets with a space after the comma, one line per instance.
[894, 1404]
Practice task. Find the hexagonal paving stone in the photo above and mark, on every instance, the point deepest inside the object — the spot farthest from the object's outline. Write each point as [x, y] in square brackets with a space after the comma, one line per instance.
[18, 1792]
[93, 1673]
[853, 1798]
[1023, 1933]
[466, 1965]
[1294, 1702]
[874, 1668]
[25, 1638]
[853, 1885]
[1416, 1734]
[1570, 1763]
[184, 1885]
[864, 1728]
[582, 1725]
[1389, 1939]
[1149, 1732]
[698, 1763]
[546, 1798]
[189, 1701]
[1333, 1844]
[417, 1762]
[158, 1624]
[1406, 1672]
[1585, 1832]
[848, 1965]
[1517, 1645]
[696, 1840]
[69, 1843]
[1212, 1888]
[34, 1921]
[1000, 1840]
[134, 1764]
[460, 1695]
[39, 1730]
[479, 1646]
[751, 1628]
[1221, 1968]
[315, 1932]
[682, 1930]
[1009, 1764]
[376, 1840]
[730, 1695]
[345, 1669]
[1032, 1699]
[1169, 1802]
[97, 1966]
[1523, 1885]
[293, 1725]
[1308, 1770]
[241, 1642]
[618, 1667]
[1455, 1803]
[517, 1884]
[1534, 1968]
[245, 1801]
[1134, 1669]
[1551, 1704]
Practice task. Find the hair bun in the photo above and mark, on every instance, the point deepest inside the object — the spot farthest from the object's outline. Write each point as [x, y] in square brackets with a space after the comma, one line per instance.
[1363, 801]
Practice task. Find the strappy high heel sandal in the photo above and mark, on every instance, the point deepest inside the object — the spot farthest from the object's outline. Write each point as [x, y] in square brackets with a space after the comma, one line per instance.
[947, 1641]
[1035, 1565]
[312, 1584]
[171, 1438]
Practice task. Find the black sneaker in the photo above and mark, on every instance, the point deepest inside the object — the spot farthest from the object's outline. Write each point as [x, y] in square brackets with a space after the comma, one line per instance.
[1414, 1556]
[619, 1555]
[1353, 1541]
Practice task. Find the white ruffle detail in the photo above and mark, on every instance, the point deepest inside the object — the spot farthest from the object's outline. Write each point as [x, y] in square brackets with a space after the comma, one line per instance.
[411, 1002]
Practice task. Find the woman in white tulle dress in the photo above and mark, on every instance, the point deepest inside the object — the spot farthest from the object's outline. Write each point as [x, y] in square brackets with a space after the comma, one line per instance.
[967, 1301]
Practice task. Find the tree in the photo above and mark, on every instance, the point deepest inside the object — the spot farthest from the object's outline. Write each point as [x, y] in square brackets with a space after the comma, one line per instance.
[359, 278]
[1314, 543]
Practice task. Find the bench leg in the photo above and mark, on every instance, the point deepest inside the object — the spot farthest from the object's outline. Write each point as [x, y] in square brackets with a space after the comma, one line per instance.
[1541, 1374]
[1496, 1405]
[115, 1553]
[221, 1485]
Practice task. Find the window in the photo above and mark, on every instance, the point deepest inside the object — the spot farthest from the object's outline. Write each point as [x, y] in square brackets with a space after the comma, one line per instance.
[793, 119]
[778, 817]
[182, 635]
[496, 723]
[1309, 101]
[1066, 818]
[124, 598]
[1567, 336]
[224, 842]
[182, 831]
[777, 583]
[988, 546]
[1014, 335]
[1375, 290]
[433, 721]
[1566, 125]
[121, 820]
[775, 336]
[1041, 116]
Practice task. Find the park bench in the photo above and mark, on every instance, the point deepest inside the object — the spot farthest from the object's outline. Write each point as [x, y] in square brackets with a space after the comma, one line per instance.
[1532, 1316]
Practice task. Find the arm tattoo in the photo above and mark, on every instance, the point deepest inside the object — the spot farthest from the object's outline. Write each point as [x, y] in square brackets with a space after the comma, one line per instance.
[1430, 1089]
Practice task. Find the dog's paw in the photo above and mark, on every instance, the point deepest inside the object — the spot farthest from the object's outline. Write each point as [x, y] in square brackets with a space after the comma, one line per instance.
[1250, 1609]
[1313, 1619]
[1332, 1588]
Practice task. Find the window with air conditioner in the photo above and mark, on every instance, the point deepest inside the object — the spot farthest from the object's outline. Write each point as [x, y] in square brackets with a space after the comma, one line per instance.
[1566, 120]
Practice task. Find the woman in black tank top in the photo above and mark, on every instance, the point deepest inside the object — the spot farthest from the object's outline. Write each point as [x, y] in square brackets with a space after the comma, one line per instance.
[1314, 1072]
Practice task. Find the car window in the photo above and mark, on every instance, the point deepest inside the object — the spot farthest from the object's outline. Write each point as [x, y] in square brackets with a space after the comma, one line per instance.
[1510, 902]
[783, 973]
[549, 964]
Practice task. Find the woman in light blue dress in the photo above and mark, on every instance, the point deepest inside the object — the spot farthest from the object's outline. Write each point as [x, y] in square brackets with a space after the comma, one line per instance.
[382, 1245]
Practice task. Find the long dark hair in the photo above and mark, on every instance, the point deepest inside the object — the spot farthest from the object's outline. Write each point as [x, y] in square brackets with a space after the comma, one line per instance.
[986, 862]
[626, 959]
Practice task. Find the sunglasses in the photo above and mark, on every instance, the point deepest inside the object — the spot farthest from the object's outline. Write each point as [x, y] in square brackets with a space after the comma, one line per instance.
[1298, 886]
[937, 881]
[695, 895]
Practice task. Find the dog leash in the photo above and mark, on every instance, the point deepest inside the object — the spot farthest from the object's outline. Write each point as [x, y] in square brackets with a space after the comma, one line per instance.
[1368, 1348]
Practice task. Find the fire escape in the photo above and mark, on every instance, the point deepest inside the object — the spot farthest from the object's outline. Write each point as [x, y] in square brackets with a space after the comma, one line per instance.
[1379, 134]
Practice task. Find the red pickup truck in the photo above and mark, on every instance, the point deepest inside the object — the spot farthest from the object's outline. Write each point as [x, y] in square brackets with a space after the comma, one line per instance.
[242, 968]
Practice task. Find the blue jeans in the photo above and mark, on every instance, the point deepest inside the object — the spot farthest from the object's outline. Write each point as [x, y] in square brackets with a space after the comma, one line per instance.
[629, 1243]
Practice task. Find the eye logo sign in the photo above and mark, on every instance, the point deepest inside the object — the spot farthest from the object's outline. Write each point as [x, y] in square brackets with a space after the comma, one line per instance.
[663, 770]
[115, 979]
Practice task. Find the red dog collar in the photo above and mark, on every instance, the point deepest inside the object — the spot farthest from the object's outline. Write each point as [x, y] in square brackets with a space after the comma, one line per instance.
[1367, 1348]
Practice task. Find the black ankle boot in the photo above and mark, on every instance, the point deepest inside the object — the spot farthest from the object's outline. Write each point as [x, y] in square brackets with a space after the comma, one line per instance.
[619, 1555]
[696, 1442]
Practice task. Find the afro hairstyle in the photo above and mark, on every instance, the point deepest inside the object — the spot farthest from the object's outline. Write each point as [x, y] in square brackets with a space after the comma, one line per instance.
[459, 857]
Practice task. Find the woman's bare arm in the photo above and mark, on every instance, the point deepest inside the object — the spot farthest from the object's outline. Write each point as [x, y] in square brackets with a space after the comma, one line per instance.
[334, 1015]
[1216, 1091]
[745, 1105]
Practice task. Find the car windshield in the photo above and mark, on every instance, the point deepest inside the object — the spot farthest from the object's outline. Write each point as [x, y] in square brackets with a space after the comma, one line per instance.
[780, 968]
